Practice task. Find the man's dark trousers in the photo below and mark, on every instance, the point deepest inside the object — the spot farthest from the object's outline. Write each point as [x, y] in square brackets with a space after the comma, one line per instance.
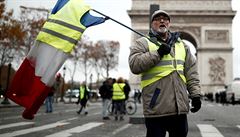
[176, 125]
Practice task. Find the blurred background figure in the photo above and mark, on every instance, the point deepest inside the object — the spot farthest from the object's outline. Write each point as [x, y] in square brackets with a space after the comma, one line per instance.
[127, 89]
[50, 98]
[83, 98]
[49, 101]
[106, 94]
[57, 88]
[137, 95]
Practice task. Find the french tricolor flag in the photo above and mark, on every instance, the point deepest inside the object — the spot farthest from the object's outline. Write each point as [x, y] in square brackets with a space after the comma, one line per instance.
[35, 77]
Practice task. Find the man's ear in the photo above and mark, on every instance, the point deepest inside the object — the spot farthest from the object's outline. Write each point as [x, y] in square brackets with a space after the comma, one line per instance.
[168, 25]
[151, 25]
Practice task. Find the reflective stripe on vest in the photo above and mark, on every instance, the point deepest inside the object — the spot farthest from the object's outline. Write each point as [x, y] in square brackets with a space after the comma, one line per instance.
[166, 65]
[118, 92]
[63, 30]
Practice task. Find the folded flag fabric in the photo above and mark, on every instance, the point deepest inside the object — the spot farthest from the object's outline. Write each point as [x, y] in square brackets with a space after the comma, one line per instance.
[54, 43]
[35, 77]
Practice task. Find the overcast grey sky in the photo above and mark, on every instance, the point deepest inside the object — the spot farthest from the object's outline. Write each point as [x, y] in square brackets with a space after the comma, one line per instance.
[112, 31]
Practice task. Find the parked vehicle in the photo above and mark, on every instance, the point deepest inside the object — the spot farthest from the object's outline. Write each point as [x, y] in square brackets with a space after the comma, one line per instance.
[74, 93]
[233, 92]
[94, 95]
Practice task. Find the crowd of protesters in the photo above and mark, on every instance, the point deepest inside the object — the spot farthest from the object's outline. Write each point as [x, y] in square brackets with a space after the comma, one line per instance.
[220, 97]
[112, 91]
[115, 91]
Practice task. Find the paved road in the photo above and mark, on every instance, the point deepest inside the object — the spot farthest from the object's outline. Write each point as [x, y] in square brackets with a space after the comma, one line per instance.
[213, 120]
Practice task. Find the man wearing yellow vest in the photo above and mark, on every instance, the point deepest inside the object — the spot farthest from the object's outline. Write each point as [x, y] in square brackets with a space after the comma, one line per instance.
[83, 98]
[54, 43]
[168, 77]
[118, 98]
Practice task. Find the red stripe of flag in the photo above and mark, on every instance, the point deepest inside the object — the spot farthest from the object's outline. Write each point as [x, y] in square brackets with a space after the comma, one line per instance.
[28, 90]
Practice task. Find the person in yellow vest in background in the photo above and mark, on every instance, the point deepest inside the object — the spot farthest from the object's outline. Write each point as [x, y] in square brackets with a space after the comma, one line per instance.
[83, 98]
[118, 98]
[169, 77]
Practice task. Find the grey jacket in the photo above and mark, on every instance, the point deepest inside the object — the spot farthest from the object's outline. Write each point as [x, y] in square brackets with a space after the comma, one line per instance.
[169, 95]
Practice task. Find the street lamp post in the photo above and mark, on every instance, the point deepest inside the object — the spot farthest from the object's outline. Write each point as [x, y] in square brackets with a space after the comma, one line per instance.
[90, 86]
[63, 84]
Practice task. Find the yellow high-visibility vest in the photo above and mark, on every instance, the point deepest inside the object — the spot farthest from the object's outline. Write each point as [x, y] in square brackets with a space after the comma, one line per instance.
[166, 65]
[82, 92]
[118, 91]
[63, 30]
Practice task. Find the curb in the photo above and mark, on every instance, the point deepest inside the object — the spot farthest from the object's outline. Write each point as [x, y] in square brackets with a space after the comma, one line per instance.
[8, 106]
[137, 119]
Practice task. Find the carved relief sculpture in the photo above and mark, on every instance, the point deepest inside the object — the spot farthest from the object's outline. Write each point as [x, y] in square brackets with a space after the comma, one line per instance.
[217, 70]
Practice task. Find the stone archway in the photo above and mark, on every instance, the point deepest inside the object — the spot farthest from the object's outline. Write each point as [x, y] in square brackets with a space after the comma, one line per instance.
[188, 37]
[207, 24]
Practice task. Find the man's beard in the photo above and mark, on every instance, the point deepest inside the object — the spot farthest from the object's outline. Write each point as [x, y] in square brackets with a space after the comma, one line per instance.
[162, 30]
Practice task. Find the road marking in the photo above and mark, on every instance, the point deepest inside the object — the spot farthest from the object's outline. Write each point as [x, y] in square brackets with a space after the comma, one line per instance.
[238, 126]
[70, 110]
[55, 112]
[210, 105]
[15, 124]
[97, 113]
[69, 119]
[209, 131]
[34, 129]
[121, 129]
[79, 129]
[11, 117]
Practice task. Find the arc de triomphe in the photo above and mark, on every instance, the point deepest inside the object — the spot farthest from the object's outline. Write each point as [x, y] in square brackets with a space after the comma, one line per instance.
[207, 24]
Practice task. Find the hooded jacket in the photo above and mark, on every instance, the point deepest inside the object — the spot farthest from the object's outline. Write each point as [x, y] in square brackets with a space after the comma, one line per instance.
[169, 95]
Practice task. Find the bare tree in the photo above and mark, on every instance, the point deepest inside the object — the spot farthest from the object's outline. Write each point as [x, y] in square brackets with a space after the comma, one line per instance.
[11, 36]
[100, 57]
[83, 56]
[95, 58]
[16, 36]
[32, 20]
[109, 51]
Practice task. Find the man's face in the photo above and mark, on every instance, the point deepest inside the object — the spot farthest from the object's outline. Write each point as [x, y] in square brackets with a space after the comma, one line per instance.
[160, 24]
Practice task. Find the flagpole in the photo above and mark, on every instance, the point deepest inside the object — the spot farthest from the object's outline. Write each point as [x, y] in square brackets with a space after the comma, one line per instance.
[119, 23]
